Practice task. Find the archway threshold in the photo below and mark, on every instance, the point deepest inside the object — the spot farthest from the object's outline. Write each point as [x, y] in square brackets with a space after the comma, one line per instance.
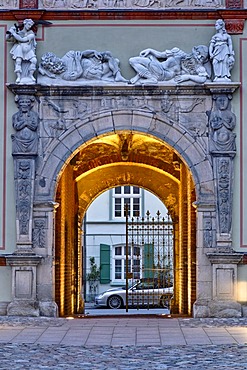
[92, 312]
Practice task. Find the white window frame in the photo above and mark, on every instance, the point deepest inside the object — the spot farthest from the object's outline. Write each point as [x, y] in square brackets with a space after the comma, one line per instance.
[123, 196]
[121, 257]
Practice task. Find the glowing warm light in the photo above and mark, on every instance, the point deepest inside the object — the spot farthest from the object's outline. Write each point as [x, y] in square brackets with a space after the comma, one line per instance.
[70, 318]
[242, 291]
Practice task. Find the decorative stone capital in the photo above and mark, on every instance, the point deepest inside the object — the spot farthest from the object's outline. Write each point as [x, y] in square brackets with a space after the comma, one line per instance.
[223, 88]
[23, 259]
[225, 258]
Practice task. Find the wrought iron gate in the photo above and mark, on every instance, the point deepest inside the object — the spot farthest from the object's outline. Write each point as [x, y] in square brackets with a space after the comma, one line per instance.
[149, 260]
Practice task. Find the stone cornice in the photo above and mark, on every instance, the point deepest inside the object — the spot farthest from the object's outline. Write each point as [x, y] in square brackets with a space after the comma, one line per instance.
[123, 88]
[225, 258]
[112, 14]
[25, 259]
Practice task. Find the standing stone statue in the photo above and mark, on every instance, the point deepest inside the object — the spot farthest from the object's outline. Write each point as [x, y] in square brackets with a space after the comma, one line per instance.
[25, 122]
[221, 53]
[23, 51]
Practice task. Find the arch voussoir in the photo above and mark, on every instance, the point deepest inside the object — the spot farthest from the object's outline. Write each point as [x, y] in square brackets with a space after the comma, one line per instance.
[122, 119]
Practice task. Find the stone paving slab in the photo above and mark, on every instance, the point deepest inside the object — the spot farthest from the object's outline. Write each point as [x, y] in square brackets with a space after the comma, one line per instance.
[122, 343]
[132, 331]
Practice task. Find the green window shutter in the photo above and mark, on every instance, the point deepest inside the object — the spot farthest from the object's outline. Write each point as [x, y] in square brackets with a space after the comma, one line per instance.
[104, 264]
[148, 272]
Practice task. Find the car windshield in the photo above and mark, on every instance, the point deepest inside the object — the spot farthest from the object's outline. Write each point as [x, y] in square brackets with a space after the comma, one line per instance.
[149, 284]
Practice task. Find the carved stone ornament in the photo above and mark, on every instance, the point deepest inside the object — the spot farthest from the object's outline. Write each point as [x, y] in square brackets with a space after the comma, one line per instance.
[26, 123]
[222, 122]
[9, 4]
[24, 192]
[23, 51]
[131, 4]
[234, 4]
[235, 26]
[208, 235]
[39, 233]
[28, 4]
[153, 66]
[80, 65]
[224, 182]
[221, 53]
[199, 66]
[120, 4]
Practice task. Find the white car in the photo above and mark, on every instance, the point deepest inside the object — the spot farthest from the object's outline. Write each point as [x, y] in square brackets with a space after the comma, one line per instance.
[143, 293]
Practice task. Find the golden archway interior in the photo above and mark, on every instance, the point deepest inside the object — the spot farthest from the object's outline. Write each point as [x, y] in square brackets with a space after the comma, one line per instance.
[115, 159]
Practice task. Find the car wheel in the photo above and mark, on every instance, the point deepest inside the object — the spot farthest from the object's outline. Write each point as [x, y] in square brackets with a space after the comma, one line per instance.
[114, 302]
[165, 301]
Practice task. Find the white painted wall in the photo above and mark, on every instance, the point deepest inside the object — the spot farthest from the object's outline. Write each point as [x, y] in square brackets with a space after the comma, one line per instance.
[101, 228]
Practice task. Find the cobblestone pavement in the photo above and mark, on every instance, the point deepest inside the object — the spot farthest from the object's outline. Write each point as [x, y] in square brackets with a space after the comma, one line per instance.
[122, 343]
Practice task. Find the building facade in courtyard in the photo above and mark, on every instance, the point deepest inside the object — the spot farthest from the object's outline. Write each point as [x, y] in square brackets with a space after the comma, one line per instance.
[103, 95]
[105, 239]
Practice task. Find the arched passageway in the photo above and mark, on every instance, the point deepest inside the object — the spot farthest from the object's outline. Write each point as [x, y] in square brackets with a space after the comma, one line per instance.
[123, 158]
[94, 139]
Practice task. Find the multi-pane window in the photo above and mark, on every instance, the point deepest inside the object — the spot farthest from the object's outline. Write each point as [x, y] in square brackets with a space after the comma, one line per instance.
[119, 263]
[130, 195]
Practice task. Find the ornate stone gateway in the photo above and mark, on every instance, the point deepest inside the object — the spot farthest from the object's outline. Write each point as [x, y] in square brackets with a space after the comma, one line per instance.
[82, 100]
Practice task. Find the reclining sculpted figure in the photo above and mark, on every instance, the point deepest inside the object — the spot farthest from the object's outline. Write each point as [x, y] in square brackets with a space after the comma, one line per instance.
[153, 66]
[88, 64]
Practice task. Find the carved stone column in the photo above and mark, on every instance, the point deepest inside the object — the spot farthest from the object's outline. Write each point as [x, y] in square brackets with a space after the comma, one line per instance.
[222, 148]
[205, 214]
[24, 261]
[220, 297]
[43, 244]
[24, 168]
[24, 151]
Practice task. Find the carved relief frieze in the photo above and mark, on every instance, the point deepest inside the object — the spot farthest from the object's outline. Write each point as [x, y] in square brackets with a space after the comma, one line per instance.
[200, 65]
[9, 4]
[209, 236]
[116, 4]
[224, 167]
[39, 232]
[24, 194]
[131, 4]
[24, 216]
[58, 115]
[28, 4]
[234, 4]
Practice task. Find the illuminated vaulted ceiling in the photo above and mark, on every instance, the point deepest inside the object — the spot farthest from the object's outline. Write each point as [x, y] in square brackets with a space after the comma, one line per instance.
[126, 147]
[126, 158]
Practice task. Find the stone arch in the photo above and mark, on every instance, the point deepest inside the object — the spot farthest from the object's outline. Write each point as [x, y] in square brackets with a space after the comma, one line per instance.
[100, 127]
[61, 151]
